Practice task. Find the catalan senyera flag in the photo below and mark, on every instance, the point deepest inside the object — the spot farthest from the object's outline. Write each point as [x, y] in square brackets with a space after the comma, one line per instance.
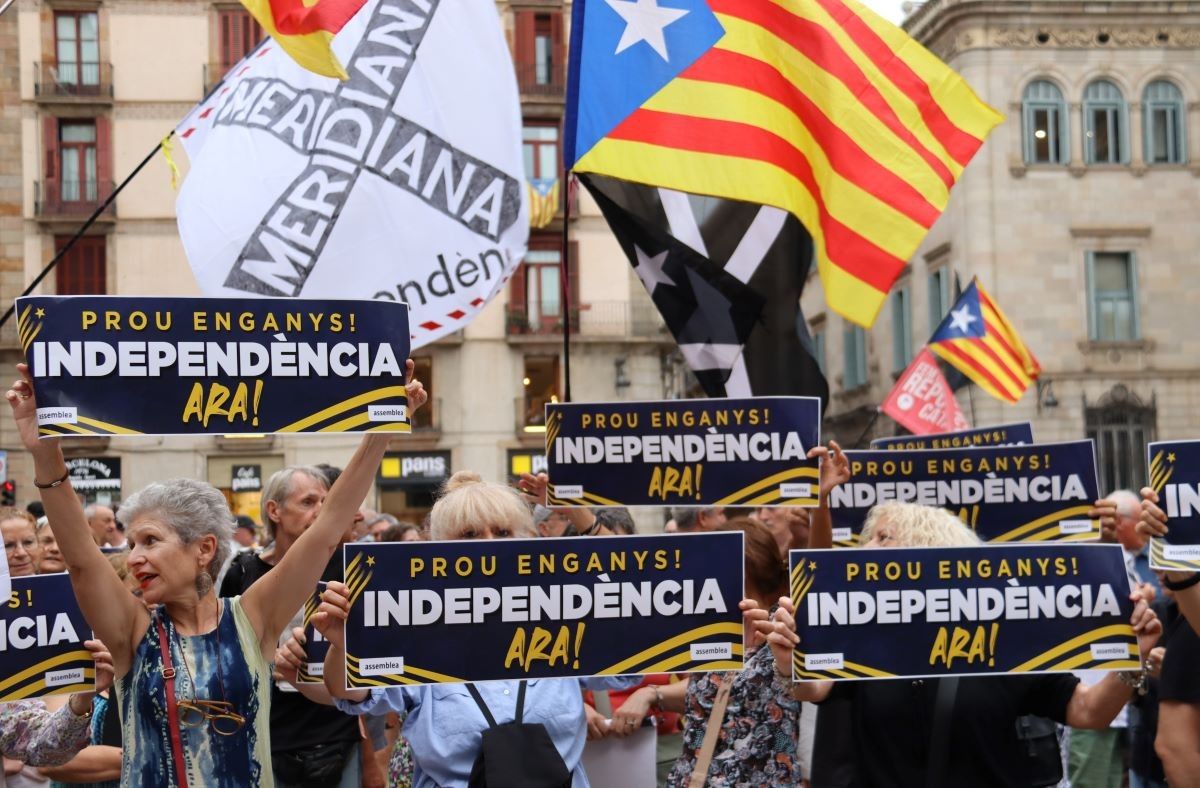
[305, 30]
[976, 339]
[818, 107]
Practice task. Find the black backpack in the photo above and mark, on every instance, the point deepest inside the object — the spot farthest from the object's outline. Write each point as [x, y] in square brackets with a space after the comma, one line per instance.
[516, 754]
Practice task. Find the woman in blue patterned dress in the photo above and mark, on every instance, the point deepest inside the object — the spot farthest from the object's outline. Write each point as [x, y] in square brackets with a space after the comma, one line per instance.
[179, 534]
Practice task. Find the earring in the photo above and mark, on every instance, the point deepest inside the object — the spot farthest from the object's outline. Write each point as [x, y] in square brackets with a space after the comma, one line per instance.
[204, 583]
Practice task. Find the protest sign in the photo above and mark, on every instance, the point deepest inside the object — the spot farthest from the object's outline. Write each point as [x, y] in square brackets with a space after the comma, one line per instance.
[315, 646]
[41, 640]
[1175, 476]
[107, 365]
[730, 452]
[1018, 434]
[961, 611]
[480, 610]
[1005, 493]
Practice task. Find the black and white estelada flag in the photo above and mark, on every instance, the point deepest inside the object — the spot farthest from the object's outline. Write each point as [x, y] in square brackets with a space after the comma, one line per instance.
[727, 278]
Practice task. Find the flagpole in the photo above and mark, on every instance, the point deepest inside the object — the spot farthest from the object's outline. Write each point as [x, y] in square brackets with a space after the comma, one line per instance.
[79, 233]
[566, 286]
[866, 429]
[971, 402]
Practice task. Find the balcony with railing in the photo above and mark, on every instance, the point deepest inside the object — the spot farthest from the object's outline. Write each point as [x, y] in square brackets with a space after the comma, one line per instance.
[530, 412]
[518, 322]
[73, 82]
[428, 420]
[596, 320]
[72, 199]
[542, 80]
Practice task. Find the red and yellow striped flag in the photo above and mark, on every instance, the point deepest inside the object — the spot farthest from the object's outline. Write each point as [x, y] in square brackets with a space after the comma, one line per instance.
[976, 339]
[305, 29]
[819, 107]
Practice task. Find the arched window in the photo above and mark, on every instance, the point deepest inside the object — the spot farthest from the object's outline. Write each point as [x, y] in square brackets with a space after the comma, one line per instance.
[1166, 135]
[1044, 115]
[1105, 124]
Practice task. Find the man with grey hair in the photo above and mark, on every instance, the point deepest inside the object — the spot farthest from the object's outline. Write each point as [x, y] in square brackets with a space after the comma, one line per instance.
[103, 522]
[697, 518]
[304, 733]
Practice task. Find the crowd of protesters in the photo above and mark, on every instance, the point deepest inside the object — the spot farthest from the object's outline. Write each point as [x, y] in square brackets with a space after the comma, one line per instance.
[196, 616]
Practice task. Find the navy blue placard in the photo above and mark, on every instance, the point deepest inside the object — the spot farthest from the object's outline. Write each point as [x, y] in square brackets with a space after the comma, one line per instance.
[1005, 493]
[1175, 476]
[315, 645]
[1018, 434]
[725, 452]
[41, 640]
[961, 611]
[434, 612]
[111, 365]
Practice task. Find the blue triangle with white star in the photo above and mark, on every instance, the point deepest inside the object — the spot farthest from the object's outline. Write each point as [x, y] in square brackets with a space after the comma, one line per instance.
[964, 320]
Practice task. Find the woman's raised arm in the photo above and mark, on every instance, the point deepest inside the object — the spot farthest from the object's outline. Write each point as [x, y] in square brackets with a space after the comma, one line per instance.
[272, 602]
[111, 611]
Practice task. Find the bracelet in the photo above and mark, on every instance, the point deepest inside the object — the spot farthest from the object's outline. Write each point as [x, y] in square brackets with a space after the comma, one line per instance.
[86, 714]
[53, 484]
[1180, 585]
[657, 705]
[1134, 679]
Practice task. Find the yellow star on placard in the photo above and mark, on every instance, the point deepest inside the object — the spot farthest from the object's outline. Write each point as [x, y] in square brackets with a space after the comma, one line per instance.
[370, 560]
[39, 312]
[1171, 457]
[812, 565]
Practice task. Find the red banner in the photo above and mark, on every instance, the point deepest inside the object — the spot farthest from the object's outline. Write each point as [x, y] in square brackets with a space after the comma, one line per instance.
[922, 401]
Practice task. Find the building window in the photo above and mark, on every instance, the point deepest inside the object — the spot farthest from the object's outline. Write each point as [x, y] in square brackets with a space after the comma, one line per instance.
[939, 297]
[543, 49]
[426, 417]
[901, 328]
[818, 337]
[1121, 425]
[77, 158]
[240, 33]
[541, 387]
[543, 288]
[854, 348]
[1044, 115]
[77, 48]
[539, 53]
[1104, 124]
[1166, 132]
[84, 269]
[541, 152]
[1112, 297]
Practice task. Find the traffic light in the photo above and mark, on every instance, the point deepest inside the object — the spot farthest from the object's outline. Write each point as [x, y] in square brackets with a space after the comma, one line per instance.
[8, 493]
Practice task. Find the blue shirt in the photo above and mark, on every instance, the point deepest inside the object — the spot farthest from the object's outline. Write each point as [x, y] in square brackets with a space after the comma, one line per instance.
[445, 728]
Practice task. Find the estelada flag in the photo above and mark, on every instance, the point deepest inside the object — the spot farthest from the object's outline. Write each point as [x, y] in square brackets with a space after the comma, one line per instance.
[818, 107]
[976, 339]
[922, 402]
[306, 30]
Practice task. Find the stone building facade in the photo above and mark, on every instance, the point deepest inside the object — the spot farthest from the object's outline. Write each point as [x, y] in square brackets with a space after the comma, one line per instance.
[1077, 215]
[102, 81]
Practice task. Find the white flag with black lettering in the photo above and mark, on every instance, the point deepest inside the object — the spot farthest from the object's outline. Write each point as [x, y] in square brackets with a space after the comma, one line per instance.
[403, 183]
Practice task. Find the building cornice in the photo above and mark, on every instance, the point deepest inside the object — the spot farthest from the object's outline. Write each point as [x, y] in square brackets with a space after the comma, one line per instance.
[949, 27]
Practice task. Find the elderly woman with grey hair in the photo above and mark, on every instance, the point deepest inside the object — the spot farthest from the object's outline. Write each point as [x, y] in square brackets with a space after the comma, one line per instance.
[193, 677]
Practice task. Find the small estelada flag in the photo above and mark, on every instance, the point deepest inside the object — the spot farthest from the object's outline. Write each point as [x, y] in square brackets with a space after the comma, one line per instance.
[922, 401]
